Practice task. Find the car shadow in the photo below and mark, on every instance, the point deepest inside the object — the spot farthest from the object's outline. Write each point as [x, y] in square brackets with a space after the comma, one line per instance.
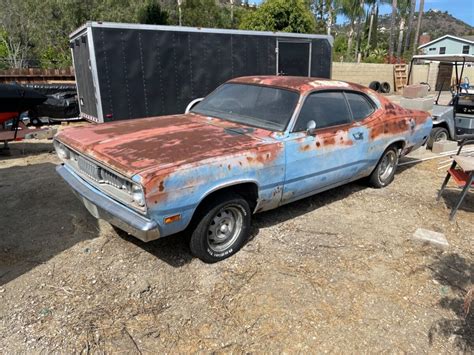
[174, 249]
[456, 274]
[39, 218]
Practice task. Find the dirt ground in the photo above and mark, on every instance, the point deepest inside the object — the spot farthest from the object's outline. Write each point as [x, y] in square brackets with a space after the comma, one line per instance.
[337, 272]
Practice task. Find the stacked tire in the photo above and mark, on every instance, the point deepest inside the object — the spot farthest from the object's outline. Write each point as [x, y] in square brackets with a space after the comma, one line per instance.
[383, 87]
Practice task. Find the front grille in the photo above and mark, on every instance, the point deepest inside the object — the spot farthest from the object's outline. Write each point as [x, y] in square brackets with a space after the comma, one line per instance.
[114, 180]
[90, 169]
[101, 175]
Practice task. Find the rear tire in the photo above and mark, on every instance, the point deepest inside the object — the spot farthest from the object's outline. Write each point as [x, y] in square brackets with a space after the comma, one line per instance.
[222, 228]
[437, 134]
[384, 172]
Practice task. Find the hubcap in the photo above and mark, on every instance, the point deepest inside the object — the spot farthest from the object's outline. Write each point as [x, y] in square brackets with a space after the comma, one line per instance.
[387, 165]
[442, 136]
[225, 228]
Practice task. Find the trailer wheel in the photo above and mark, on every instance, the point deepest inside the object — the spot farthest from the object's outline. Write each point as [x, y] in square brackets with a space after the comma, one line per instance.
[35, 121]
[437, 134]
[222, 228]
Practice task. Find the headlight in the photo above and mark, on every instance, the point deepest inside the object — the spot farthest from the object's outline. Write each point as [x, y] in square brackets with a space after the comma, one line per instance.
[61, 150]
[138, 196]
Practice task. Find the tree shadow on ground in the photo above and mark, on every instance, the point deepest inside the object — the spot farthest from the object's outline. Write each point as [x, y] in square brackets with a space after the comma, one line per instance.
[39, 218]
[23, 148]
[457, 273]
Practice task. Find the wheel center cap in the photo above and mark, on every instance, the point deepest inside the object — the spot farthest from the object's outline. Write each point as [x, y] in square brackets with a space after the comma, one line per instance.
[224, 228]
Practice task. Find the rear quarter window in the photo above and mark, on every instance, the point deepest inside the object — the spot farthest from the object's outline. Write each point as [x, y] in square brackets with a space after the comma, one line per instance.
[360, 106]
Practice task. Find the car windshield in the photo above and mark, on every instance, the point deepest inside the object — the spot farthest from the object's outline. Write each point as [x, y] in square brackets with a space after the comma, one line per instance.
[259, 106]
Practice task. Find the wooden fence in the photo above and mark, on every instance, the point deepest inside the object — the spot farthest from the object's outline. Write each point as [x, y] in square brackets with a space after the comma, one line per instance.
[36, 75]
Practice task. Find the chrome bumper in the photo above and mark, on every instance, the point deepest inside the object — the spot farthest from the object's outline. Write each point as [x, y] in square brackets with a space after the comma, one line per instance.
[103, 207]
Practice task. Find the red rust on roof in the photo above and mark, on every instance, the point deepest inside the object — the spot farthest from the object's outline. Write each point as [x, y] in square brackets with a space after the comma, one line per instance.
[297, 83]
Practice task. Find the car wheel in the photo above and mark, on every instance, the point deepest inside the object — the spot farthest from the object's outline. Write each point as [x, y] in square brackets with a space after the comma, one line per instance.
[437, 134]
[222, 229]
[384, 172]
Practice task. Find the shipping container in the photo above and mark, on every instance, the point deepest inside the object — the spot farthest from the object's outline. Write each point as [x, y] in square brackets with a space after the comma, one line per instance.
[126, 71]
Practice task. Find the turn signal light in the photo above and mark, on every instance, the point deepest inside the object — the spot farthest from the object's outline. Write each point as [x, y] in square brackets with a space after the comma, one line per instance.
[172, 219]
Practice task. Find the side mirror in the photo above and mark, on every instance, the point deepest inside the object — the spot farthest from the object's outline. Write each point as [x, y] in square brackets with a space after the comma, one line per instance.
[311, 128]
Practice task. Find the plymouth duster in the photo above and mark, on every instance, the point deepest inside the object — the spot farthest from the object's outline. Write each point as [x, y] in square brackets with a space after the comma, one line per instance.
[252, 145]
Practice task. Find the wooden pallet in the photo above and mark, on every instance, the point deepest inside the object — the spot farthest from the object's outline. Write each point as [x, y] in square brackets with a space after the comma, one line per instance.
[400, 76]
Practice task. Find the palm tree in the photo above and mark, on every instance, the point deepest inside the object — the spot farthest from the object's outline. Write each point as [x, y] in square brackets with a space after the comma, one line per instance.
[352, 10]
[392, 28]
[403, 9]
[418, 25]
[411, 16]
[373, 10]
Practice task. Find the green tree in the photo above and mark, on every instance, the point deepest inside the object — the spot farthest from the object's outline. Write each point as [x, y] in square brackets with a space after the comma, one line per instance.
[204, 13]
[152, 14]
[353, 10]
[280, 15]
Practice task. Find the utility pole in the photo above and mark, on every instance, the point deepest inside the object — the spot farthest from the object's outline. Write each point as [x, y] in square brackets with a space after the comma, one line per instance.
[232, 13]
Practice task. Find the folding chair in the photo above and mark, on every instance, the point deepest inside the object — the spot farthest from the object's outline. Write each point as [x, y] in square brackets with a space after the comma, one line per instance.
[462, 172]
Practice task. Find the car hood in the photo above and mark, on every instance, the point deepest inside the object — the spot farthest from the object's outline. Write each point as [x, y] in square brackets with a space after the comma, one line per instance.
[141, 146]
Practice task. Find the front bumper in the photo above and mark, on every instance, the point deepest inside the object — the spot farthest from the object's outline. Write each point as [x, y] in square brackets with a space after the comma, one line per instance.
[103, 207]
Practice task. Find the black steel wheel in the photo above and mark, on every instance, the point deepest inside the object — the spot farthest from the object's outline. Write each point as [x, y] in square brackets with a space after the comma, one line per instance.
[222, 228]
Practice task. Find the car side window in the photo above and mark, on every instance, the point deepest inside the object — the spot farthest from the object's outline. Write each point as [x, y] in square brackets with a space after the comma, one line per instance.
[325, 108]
[360, 106]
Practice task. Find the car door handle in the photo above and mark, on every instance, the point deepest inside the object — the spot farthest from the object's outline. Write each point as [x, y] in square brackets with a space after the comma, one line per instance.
[358, 135]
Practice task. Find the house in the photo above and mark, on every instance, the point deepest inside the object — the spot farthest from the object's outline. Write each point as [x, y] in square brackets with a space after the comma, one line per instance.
[448, 44]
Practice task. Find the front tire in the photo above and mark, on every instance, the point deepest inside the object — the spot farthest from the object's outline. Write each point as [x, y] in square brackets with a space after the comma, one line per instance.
[222, 229]
[437, 134]
[384, 172]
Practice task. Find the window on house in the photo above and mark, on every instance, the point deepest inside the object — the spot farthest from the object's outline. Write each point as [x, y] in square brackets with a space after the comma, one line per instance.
[465, 49]
[442, 50]
[432, 49]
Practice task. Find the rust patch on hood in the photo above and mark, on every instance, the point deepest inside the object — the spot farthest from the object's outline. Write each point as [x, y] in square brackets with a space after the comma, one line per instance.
[139, 145]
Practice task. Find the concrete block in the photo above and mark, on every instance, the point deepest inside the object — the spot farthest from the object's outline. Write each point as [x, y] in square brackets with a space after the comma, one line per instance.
[415, 91]
[428, 236]
[444, 146]
[424, 104]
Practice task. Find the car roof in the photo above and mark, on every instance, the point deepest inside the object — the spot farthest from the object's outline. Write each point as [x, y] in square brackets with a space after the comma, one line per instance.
[298, 83]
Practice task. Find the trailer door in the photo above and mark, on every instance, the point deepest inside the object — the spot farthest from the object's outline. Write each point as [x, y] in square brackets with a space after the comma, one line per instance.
[294, 58]
[84, 78]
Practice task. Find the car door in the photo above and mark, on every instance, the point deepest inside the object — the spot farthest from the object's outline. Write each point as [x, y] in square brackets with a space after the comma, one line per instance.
[332, 154]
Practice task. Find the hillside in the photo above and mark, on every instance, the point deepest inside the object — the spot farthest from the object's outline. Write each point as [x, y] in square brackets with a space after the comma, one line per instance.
[437, 24]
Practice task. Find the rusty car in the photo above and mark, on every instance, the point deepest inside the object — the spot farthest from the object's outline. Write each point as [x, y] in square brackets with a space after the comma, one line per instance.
[253, 144]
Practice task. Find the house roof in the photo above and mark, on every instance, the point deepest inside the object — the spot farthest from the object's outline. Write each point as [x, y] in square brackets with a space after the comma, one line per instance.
[459, 39]
[447, 58]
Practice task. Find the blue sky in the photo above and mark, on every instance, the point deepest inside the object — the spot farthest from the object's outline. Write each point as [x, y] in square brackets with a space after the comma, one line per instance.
[461, 9]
